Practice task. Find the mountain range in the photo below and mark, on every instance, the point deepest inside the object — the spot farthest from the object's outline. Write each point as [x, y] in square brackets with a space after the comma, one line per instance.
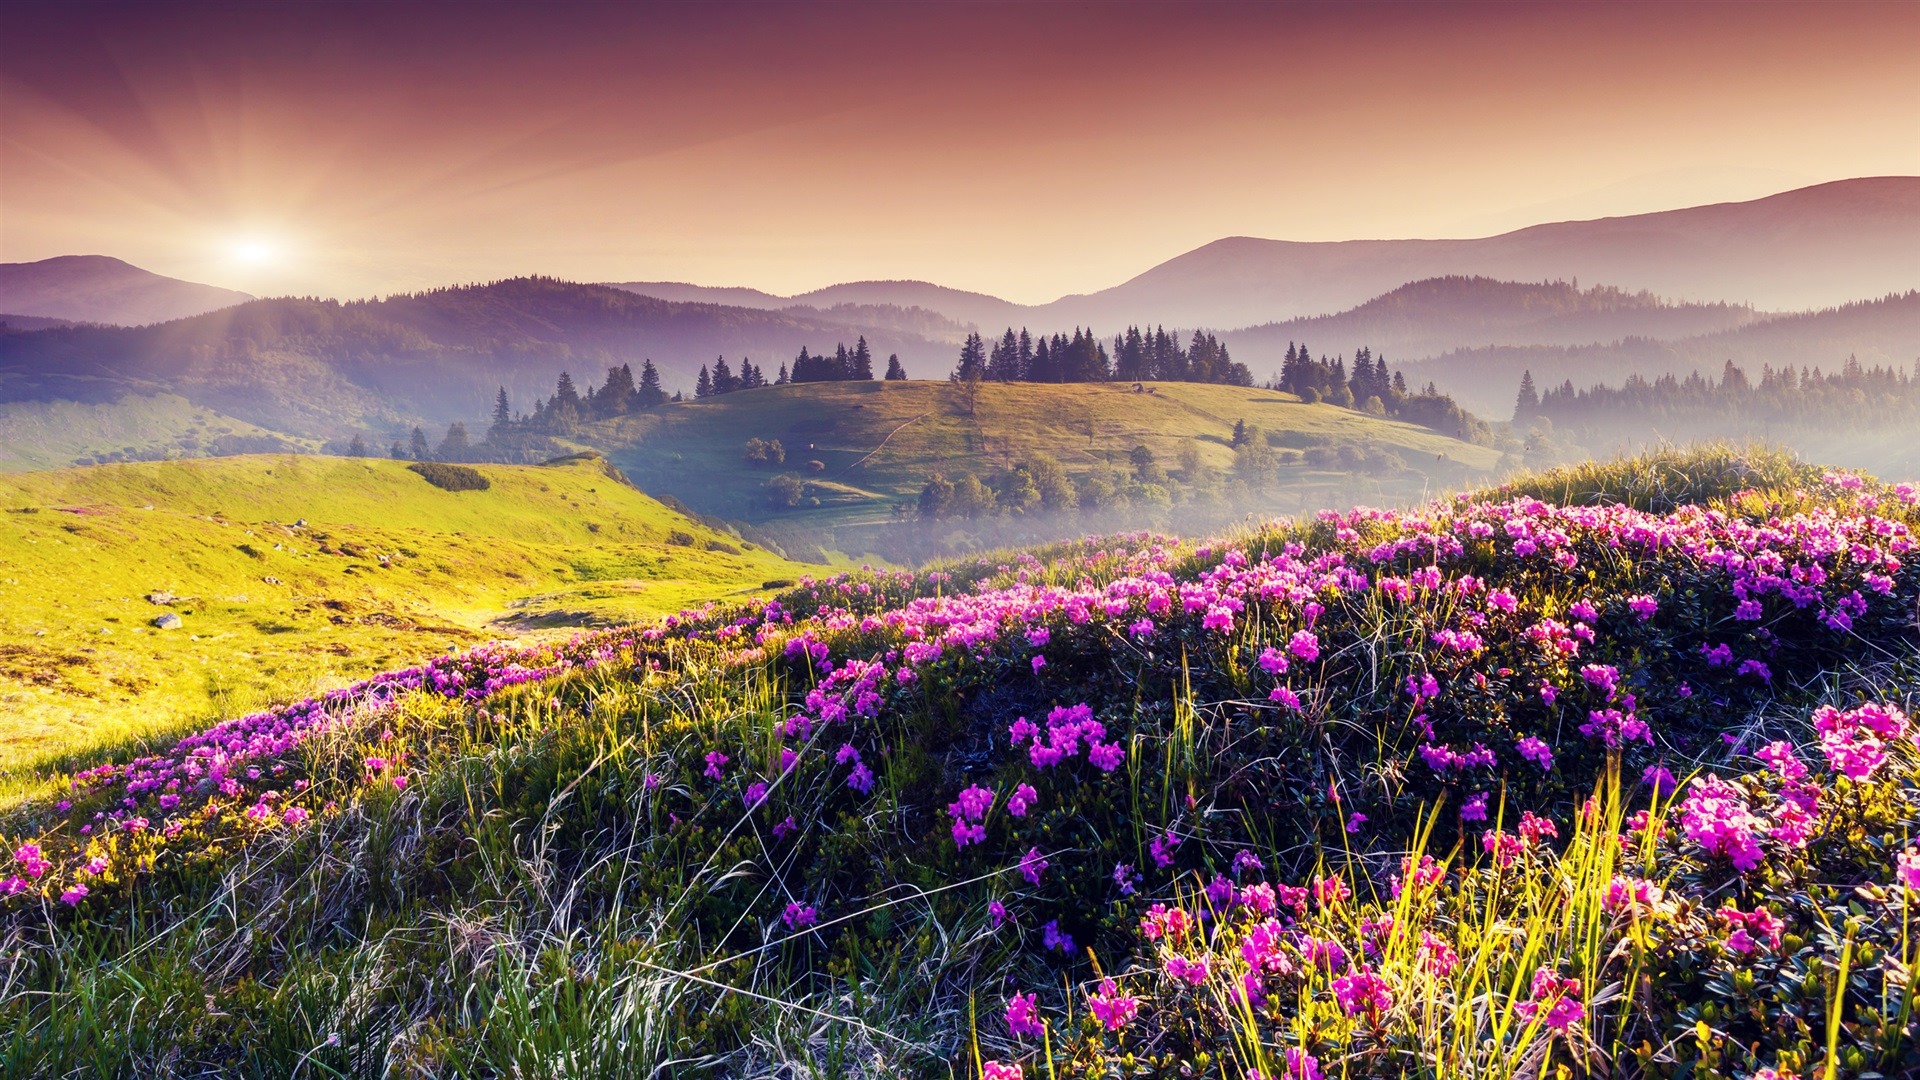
[1813, 247]
[313, 367]
[1439, 310]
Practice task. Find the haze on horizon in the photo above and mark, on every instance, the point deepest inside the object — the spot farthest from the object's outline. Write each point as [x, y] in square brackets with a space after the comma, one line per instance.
[1027, 151]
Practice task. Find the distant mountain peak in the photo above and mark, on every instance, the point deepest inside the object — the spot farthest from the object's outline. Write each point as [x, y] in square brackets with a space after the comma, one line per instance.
[103, 289]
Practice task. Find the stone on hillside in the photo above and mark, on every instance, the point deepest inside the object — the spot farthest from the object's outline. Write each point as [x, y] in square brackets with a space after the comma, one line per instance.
[160, 597]
[169, 621]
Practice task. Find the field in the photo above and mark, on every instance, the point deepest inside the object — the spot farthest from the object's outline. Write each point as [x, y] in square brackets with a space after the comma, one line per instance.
[386, 569]
[1604, 772]
[877, 442]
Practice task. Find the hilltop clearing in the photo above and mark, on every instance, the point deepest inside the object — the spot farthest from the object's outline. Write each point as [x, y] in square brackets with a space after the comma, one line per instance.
[863, 453]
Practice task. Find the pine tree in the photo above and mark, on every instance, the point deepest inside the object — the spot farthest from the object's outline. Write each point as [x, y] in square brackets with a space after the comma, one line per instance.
[454, 446]
[502, 412]
[703, 386]
[650, 392]
[973, 360]
[565, 395]
[397, 452]
[421, 451]
[862, 360]
[358, 447]
[1528, 401]
[895, 373]
[724, 381]
[783, 379]
[1239, 433]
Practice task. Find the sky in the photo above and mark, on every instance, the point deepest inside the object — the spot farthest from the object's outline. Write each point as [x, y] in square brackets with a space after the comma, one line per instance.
[1028, 150]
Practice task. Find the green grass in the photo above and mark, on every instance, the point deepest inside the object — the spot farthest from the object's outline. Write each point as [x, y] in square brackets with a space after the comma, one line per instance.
[878, 441]
[52, 434]
[271, 610]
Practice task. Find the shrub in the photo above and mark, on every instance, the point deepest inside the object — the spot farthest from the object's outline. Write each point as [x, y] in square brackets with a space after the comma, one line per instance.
[785, 490]
[680, 538]
[450, 477]
[723, 547]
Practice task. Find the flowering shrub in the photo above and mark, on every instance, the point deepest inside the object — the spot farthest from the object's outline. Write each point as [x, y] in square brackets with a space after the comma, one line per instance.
[1167, 793]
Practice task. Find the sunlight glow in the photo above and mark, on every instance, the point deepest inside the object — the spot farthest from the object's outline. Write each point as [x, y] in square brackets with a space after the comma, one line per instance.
[253, 251]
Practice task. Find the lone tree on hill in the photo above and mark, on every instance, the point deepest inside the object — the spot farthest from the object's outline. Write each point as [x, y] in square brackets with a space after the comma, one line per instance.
[895, 373]
[420, 450]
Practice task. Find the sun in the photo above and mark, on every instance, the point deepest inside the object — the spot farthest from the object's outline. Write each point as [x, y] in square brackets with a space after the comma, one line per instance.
[253, 251]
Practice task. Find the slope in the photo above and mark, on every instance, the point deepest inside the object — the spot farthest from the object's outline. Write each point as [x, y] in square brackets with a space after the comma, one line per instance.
[877, 442]
[386, 568]
[97, 288]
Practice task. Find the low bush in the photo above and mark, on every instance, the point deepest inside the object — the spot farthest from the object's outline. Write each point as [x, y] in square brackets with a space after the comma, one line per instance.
[451, 477]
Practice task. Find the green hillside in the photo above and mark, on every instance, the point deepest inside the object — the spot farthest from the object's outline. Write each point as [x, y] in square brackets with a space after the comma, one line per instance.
[877, 442]
[387, 569]
[52, 434]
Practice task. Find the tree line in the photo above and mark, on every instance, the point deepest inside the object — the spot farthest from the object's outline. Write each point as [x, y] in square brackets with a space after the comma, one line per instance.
[845, 365]
[1137, 356]
[1807, 396]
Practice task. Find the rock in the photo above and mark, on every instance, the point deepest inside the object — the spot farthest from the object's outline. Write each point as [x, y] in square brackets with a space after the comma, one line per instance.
[169, 621]
[161, 597]
[271, 580]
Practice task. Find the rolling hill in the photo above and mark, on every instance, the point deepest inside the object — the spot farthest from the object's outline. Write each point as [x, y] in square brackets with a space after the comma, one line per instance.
[876, 443]
[1441, 315]
[292, 573]
[96, 288]
[1560, 779]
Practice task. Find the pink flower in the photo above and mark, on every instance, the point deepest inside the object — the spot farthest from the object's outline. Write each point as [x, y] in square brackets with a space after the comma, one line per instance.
[1908, 871]
[1362, 992]
[1305, 645]
[715, 762]
[861, 778]
[1475, 808]
[1022, 799]
[73, 895]
[1162, 848]
[799, 916]
[1191, 972]
[1032, 866]
[1716, 816]
[1023, 1016]
[1534, 749]
[1355, 821]
[1112, 1008]
[1000, 1070]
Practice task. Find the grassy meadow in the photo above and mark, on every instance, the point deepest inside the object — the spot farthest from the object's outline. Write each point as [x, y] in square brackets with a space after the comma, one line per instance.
[1605, 772]
[386, 570]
